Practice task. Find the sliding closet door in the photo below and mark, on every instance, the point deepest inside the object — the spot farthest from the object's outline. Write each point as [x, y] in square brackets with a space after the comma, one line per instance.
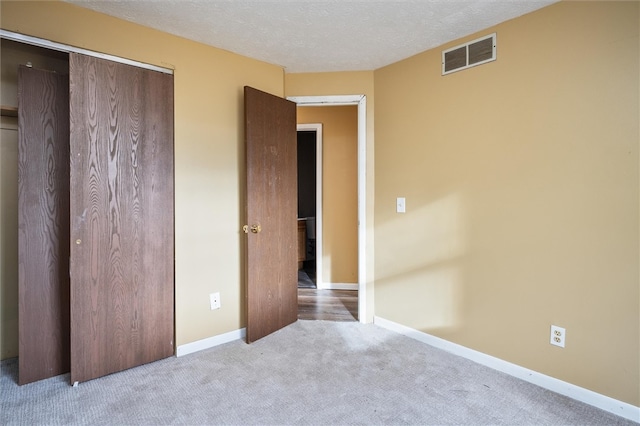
[43, 224]
[122, 247]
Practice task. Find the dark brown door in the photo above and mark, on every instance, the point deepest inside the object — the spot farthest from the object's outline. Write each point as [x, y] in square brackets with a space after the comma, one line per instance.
[43, 224]
[272, 293]
[122, 248]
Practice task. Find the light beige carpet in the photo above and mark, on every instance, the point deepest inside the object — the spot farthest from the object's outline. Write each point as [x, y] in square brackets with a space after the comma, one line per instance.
[312, 372]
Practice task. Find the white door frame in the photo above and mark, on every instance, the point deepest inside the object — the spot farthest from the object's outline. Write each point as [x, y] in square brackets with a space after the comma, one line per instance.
[361, 102]
[317, 127]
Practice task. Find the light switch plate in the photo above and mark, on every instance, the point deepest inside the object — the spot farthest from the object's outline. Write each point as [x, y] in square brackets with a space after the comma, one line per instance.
[400, 205]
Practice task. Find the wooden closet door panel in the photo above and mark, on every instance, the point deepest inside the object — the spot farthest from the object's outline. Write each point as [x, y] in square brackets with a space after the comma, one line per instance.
[122, 248]
[43, 224]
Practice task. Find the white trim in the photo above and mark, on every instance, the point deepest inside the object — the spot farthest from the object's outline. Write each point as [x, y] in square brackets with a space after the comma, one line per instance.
[317, 127]
[578, 393]
[361, 101]
[210, 342]
[327, 100]
[362, 209]
[339, 286]
[41, 42]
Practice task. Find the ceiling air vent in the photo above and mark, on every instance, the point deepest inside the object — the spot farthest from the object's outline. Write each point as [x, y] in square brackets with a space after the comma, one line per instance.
[469, 55]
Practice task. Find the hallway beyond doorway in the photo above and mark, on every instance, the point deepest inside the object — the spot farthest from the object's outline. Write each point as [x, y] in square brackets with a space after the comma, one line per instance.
[329, 305]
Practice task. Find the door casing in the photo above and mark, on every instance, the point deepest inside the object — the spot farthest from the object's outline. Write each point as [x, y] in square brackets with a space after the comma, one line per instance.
[361, 102]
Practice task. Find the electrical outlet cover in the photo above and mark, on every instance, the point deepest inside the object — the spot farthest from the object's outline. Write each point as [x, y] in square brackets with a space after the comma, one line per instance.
[558, 335]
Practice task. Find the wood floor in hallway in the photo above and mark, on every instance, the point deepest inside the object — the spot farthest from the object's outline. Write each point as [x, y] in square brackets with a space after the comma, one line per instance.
[331, 305]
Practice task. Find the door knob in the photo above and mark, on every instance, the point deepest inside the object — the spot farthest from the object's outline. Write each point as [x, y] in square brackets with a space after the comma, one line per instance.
[254, 229]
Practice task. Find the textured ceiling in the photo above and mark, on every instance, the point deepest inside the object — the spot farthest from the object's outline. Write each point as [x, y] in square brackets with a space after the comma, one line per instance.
[319, 35]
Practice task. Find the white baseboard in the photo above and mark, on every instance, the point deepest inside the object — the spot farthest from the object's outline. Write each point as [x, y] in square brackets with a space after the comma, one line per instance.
[210, 342]
[338, 286]
[578, 393]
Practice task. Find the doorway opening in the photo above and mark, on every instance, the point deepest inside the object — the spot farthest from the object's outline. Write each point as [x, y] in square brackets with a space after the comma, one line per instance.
[360, 102]
[309, 205]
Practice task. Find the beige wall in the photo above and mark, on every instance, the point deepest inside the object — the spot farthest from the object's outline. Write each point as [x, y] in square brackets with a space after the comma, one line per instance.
[340, 190]
[349, 83]
[521, 180]
[209, 151]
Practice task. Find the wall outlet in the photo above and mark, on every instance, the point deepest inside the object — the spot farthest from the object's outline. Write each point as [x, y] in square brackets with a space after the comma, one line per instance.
[557, 336]
[214, 300]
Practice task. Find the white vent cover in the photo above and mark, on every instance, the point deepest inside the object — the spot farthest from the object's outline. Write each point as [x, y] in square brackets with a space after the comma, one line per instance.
[475, 52]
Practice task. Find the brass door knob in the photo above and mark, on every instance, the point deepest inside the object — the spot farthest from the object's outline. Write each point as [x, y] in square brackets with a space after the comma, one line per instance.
[254, 228]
